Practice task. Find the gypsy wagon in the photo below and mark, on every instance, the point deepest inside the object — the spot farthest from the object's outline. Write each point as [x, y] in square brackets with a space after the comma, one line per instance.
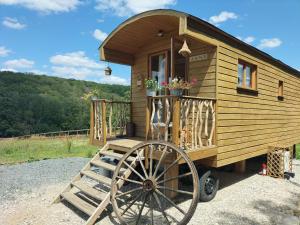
[245, 102]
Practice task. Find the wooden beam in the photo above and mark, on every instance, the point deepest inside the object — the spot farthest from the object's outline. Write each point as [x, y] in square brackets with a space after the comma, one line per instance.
[116, 56]
[174, 172]
[202, 153]
[240, 167]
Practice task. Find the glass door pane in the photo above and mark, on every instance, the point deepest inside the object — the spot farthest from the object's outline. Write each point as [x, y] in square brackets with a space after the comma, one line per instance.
[158, 64]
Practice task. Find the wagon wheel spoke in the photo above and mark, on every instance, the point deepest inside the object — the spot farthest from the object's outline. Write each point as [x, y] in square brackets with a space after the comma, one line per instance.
[129, 180]
[141, 209]
[169, 167]
[175, 190]
[129, 192]
[142, 165]
[151, 161]
[171, 202]
[160, 161]
[132, 203]
[160, 207]
[133, 170]
[174, 178]
[151, 209]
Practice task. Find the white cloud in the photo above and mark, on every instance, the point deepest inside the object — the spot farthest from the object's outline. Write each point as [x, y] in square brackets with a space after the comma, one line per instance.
[13, 23]
[222, 17]
[75, 59]
[38, 72]
[77, 65]
[8, 70]
[129, 7]
[45, 6]
[4, 51]
[18, 64]
[248, 40]
[270, 43]
[113, 80]
[100, 20]
[73, 72]
[99, 35]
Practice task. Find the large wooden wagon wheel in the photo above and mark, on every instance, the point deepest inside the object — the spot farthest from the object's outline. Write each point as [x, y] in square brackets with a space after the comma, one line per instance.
[155, 193]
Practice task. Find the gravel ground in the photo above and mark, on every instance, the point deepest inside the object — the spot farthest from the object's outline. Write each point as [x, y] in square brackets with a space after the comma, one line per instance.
[27, 190]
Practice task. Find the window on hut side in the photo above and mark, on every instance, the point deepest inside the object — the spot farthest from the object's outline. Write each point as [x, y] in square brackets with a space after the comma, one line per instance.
[246, 75]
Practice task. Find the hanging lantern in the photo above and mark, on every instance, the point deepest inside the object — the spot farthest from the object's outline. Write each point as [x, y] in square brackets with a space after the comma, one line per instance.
[185, 51]
[107, 71]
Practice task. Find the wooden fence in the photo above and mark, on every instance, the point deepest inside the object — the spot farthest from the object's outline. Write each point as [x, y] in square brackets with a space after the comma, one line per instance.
[55, 134]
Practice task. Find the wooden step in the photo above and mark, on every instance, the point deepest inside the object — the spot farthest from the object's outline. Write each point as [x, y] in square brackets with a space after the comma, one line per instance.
[89, 190]
[119, 148]
[79, 203]
[97, 177]
[115, 155]
[123, 145]
[104, 165]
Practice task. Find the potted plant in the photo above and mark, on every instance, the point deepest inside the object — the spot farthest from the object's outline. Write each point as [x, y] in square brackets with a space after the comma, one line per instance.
[176, 86]
[151, 86]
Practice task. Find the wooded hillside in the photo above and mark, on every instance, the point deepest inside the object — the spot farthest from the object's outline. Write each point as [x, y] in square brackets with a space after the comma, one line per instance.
[33, 103]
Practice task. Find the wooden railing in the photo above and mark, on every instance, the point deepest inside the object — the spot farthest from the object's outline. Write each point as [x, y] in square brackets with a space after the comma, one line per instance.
[108, 119]
[188, 122]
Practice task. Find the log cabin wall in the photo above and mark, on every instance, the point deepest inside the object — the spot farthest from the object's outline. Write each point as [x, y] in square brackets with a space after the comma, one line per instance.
[247, 124]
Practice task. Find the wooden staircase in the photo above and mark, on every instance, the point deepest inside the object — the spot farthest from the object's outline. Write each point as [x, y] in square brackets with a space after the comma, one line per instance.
[89, 191]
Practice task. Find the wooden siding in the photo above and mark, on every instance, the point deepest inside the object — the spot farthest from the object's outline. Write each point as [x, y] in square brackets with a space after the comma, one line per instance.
[247, 124]
[204, 71]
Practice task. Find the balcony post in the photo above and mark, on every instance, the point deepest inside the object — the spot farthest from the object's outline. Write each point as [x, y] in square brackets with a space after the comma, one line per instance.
[176, 122]
[173, 184]
[147, 125]
[92, 122]
[103, 113]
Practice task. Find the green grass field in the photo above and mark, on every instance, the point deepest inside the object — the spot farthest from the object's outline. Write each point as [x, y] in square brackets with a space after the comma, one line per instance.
[17, 151]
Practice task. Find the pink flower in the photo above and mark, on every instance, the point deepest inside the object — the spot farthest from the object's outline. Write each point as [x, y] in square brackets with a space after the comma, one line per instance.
[194, 81]
[164, 83]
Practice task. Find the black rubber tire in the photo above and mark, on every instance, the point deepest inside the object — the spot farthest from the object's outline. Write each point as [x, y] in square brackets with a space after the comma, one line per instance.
[207, 193]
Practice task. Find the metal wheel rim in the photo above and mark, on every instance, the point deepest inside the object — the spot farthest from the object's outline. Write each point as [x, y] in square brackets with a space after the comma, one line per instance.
[154, 195]
[209, 185]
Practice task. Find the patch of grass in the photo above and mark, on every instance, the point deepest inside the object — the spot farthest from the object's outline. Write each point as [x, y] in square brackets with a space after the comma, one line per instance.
[298, 151]
[17, 151]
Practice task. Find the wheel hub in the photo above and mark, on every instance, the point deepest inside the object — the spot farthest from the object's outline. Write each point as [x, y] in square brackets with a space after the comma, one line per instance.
[149, 185]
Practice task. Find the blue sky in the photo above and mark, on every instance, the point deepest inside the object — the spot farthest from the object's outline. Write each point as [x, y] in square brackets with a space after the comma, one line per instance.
[61, 38]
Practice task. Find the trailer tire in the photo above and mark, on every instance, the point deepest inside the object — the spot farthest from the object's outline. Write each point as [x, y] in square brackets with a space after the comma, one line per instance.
[208, 186]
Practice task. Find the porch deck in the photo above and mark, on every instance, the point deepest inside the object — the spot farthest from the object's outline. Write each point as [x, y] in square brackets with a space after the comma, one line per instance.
[125, 144]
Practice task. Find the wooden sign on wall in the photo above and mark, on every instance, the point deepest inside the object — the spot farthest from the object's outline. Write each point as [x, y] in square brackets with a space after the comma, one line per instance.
[196, 58]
